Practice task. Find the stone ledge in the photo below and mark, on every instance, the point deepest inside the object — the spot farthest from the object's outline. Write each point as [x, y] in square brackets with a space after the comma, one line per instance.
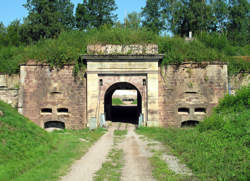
[200, 63]
[118, 58]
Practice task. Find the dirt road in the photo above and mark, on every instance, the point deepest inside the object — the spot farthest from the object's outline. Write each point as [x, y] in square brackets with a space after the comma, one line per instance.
[85, 168]
[137, 166]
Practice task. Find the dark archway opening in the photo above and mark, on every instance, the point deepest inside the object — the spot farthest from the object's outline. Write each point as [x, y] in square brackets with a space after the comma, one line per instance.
[122, 113]
[189, 123]
[54, 124]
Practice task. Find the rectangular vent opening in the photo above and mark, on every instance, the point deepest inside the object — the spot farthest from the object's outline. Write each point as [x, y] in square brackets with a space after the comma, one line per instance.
[55, 92]
[183, 110]
[200, 110]
[191, 92]
[46, 110]
[62, 110]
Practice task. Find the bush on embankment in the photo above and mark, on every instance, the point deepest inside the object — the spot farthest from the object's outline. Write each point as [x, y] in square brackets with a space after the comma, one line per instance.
[27, 152]
[218, 148]
[68, 47]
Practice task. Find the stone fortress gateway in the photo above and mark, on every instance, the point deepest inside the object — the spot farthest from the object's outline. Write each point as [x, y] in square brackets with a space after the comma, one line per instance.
[173, 95]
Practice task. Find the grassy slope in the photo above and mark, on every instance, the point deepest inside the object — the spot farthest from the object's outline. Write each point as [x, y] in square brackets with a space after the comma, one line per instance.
[27, 152]
[218, 149]
[70, 45]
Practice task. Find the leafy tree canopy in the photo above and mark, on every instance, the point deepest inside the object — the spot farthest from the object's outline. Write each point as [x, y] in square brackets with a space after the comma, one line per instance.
[239, 18]
[133, 20]
[152, 16]
[47, 18]
[183, 16]
[95, 13]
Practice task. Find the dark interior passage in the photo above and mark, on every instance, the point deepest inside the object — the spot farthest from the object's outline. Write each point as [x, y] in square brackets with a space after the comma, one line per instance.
[54, 124]
[122, 113]
[189, 123]
[126, 114]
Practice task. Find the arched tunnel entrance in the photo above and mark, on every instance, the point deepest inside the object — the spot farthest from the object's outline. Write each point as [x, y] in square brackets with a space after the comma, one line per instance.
[124, 112]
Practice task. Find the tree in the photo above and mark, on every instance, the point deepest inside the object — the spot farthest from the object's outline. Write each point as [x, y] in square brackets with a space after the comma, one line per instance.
[13, 33]
[239, 18]
[95, 13]
[220, 15]
[66, 16]
[47, 18]
[183, 16]
[3, 33]
[133, 20]
[152, 16]
[82, 16]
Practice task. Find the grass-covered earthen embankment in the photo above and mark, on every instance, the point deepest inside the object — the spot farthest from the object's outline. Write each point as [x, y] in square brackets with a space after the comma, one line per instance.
[27, 152]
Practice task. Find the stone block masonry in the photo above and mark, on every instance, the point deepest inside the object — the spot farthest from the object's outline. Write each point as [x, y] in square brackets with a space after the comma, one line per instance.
[238, 81]
[189, 91]
[48, 96]
[9, 86]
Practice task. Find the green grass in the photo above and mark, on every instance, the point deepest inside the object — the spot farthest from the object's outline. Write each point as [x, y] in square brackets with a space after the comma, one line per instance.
[218, 148]
[116, 101]
[161, 172]
[120, 132]
[27, 152]
[112, 168]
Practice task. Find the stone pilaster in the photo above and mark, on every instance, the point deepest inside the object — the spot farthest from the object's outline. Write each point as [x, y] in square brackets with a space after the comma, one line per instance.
[153, 114]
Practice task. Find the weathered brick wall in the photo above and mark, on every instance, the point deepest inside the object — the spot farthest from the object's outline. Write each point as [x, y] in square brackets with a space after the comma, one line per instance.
[9, 85]
[187, 87]
[42, 88]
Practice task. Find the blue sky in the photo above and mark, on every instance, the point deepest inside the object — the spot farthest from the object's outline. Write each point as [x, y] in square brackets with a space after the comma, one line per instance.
[12, 9]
